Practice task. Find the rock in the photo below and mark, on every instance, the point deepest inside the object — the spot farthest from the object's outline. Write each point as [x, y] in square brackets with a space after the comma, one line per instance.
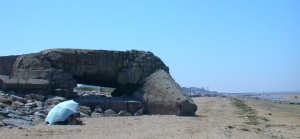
[39, 109]
[31, 105]
[83, 115]
[29, 101]
[27, 118]
[11, 111]
[84, 109]
[110, 112]
[5, 101]
[27, 110]
[37, 97]
[48, 108]
[40, 97]
[98, 109]
[2, 105]
[124, 113]
[4, 113]
[41, 115]
[54, 100]
[17, 98]
[162, 95]
[17, 122]
[140, 112]
[17, 104]
[39, 104]
[30, 96]
[1, 117]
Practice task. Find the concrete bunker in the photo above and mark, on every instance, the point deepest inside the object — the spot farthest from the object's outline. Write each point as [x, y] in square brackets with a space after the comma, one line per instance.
[58, 71]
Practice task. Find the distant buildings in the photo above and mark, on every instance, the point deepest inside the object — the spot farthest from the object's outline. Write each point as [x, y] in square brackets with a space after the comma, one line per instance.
[199, 92]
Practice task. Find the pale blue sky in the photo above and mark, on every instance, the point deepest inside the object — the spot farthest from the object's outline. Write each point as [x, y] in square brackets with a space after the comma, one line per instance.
[226, 46]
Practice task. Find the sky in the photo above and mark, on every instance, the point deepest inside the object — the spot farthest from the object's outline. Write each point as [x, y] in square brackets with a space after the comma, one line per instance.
[229, 46]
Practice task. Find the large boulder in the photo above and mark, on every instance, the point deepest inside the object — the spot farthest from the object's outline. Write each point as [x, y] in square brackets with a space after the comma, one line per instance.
[162, 95]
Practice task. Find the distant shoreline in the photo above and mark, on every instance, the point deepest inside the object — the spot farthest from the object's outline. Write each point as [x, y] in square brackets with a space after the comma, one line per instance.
[289, 97]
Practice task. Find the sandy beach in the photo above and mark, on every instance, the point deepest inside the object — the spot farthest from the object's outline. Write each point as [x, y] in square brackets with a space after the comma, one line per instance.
[216, 118]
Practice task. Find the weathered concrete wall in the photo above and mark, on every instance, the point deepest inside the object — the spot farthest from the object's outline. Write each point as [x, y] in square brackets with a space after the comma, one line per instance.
[6, 64]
